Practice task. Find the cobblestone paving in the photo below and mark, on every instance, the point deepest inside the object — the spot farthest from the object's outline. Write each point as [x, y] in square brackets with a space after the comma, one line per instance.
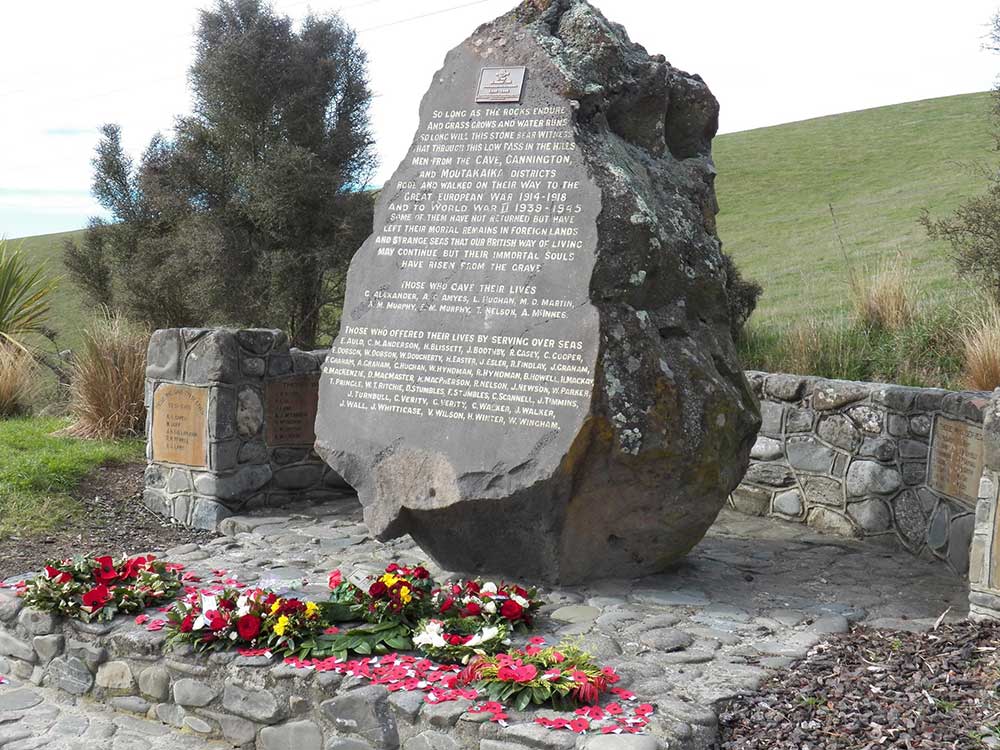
[755, 595]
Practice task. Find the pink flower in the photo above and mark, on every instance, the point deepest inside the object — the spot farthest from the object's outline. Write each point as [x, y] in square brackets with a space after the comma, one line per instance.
[613, 709]
[537, 641]
[335, 579]
[141, 619]
[643, 709]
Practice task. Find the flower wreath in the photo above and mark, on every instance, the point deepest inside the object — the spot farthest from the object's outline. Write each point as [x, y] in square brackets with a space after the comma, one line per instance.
[458, 640]
[99, 588]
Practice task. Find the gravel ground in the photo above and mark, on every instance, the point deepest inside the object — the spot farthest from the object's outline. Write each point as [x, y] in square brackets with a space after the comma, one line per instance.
[878, 689]
[112, 520]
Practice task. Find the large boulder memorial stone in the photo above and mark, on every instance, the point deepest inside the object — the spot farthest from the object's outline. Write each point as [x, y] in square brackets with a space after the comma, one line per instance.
[535, 375]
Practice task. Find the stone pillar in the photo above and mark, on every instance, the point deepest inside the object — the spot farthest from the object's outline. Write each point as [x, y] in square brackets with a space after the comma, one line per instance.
[230, 424]
[984, 555]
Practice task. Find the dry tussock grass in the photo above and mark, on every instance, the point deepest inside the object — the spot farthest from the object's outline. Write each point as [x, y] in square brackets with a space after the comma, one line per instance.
[981, 346]
[883, 298]
[18, 381]
[107, 379]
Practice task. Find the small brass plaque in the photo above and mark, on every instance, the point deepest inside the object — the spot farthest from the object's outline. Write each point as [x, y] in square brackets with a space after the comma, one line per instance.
[291, 411]
[501, 85]
[956, 462]
[180, 425]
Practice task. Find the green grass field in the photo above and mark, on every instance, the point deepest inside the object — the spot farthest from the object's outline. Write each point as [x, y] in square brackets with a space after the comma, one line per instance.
[39, 468]
[878, 168]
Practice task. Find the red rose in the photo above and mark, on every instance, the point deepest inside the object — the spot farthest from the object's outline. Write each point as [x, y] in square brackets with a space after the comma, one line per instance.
[521, 592]
[97, 597]
[227, 604]
[106, 572]
[471, 610]
[248, 627]
[511, 610]
[391, 568]
[421, 573]
[472, 587]
[59, 577]
[447, 604]
[216, 620]
[292, 606]
[187, 624]
[335, 579]
[377, 589]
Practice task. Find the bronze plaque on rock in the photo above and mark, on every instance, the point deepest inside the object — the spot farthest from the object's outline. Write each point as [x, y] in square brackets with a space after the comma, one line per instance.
[501, 85]
[291, 411]
[956, 462]
[180, 425]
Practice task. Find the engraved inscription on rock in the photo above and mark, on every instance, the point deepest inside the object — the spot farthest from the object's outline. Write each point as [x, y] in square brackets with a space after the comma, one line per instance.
[956, 463]
[180, 425]
[291, 411]
[470, 312]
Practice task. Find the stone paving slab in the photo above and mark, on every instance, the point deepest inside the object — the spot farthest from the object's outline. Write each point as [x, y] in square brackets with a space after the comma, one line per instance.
[755, 595]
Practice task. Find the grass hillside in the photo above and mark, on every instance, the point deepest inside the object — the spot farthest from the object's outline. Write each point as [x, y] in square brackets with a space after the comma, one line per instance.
[69, 312]
[878, 168]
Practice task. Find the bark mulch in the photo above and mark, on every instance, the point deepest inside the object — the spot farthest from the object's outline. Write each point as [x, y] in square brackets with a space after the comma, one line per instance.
[873, 689]
[112, 520]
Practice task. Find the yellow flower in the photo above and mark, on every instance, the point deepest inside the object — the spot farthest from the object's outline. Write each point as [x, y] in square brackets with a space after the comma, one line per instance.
[311, 609]
[404, 594]
[280, 625]
[389, 579]
[275, 607]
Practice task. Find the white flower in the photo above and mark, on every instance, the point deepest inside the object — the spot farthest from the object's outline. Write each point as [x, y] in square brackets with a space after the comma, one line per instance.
[486, 634]
[520, 600]
[431, 635]
[489, 588]
[242, 606]
[491, 607]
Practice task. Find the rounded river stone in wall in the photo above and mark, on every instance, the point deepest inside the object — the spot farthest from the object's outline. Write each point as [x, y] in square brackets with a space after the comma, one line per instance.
[535, 375]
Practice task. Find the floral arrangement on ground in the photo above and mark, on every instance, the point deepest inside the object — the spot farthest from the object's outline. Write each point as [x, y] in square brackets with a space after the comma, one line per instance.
[442, 683]
[463, 622]
[99, 588]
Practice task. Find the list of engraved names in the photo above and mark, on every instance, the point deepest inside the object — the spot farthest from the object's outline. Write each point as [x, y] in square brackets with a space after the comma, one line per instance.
[478, 243]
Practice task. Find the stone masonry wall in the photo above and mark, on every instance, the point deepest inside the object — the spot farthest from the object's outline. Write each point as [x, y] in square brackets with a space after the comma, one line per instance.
[853, 459]
[984, 562]
[249, 702]
[211, 452]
